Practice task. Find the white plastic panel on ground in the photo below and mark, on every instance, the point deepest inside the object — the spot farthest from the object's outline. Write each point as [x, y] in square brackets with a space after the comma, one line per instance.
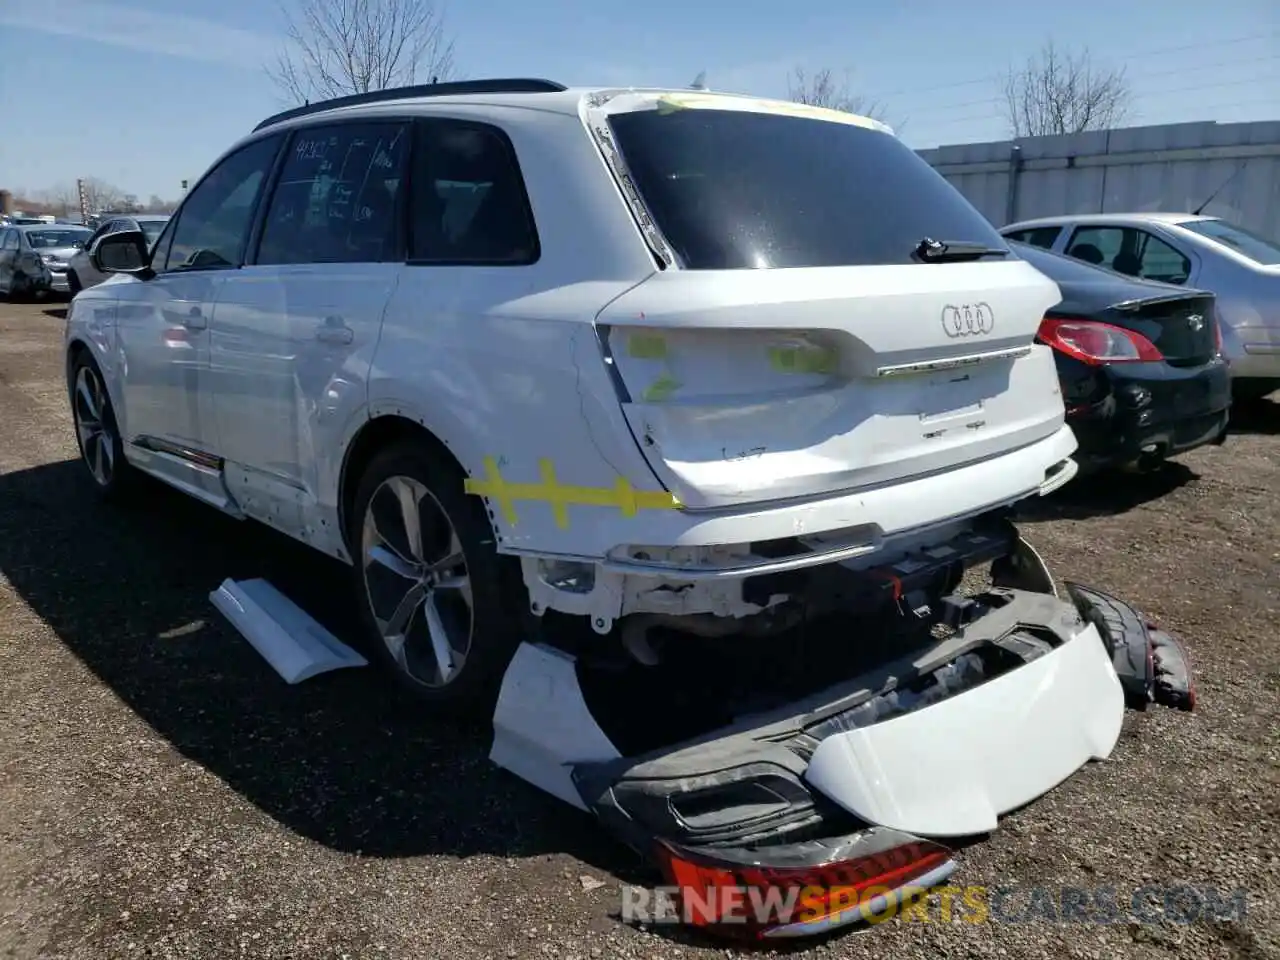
[953, 768]
[542, 726]
[284, 634]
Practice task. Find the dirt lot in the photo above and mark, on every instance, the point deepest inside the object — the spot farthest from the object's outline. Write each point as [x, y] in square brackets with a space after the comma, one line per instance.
[164, 794]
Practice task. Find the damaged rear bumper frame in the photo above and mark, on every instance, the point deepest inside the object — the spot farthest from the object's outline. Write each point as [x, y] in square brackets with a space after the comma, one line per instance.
[698, 580]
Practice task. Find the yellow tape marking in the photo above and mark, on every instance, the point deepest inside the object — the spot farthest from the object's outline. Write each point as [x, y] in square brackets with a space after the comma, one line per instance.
[646, 346]
[661, 389]
[559, 506]
[621, 495]
[494, 486]
[802, 360]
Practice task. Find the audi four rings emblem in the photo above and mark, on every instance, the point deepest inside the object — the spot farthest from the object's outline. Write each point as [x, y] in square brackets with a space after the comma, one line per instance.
[1195, 322]
[969, 320]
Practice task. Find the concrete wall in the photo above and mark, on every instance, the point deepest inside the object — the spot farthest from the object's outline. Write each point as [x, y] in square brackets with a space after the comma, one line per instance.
[1170, 168]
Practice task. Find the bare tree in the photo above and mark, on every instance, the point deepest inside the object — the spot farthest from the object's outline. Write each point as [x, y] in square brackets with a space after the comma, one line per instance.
[340, 47]
[60, 200]
[825, 89]
[1059, 91]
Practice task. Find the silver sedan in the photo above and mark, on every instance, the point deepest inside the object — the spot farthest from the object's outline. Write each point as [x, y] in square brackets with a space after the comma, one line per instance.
[1241, 267]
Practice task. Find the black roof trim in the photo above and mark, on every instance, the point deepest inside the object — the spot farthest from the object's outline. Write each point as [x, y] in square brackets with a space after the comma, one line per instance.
[452, 88]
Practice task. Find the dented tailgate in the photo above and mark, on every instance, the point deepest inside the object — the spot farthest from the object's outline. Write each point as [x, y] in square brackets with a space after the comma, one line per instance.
[798, 342]
[764, 385]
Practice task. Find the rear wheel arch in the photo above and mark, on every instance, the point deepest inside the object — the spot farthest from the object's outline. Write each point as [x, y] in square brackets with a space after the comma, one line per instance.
[377, 434]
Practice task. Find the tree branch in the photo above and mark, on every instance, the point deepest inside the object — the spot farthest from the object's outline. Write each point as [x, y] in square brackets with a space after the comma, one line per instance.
[338, 47]
[1059, 92]
[824, 89]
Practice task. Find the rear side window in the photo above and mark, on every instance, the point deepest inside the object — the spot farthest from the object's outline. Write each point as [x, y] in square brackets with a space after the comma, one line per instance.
[469, 203]
[338, 196]
[1042, 237]
[739, 190]
[1133, 252]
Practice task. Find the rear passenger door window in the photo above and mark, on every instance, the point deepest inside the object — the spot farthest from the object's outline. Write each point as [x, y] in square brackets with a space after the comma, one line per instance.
[1130, 251]
[1096, 245]
[338, 198]
[469, 204]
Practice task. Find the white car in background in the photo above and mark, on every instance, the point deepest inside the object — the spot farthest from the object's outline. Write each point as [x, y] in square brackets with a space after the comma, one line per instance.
[1240, 267]
[659, 426]
[82, 273]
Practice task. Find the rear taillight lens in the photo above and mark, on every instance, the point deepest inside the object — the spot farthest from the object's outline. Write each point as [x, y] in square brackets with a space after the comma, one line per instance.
[733, 899]
[1096, 343]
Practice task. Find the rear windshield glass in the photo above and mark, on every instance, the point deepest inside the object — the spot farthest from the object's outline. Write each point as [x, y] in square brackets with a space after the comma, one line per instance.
[1256, 248]
[735, 190]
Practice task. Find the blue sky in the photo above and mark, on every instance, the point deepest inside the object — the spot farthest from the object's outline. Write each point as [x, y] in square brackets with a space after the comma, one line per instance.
[144, 93]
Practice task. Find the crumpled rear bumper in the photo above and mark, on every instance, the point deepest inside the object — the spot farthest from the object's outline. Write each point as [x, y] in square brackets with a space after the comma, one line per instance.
[938, 744]
[952, 768]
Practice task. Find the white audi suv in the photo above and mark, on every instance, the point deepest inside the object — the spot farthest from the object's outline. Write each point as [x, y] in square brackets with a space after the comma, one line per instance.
[635, 413]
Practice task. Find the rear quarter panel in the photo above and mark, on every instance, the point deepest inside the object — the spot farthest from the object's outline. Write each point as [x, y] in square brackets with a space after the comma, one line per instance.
[501, 362]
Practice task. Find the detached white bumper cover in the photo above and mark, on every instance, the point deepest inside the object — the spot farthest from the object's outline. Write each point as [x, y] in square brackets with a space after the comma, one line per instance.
[951, 769]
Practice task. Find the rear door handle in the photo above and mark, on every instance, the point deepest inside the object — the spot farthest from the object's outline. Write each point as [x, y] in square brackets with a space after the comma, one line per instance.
[194, 320]
[334, 330]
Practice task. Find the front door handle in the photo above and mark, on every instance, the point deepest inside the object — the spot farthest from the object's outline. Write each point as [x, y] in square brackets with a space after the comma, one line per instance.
[334, 330]
[194, 320]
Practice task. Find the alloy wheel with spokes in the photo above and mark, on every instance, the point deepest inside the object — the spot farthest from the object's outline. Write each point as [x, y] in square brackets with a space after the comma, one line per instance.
[91, 409]
[417, 581]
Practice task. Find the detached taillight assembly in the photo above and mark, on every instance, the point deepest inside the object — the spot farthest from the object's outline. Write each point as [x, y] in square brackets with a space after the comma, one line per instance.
[761, 902]
[1096, 343]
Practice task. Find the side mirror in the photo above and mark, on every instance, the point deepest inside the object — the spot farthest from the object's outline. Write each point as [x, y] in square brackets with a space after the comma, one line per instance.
[123, 252]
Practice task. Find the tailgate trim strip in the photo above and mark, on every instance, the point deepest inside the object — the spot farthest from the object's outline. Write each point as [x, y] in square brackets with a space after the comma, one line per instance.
[928, 366]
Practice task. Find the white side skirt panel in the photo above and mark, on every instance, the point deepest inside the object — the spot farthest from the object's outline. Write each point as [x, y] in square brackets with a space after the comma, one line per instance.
[293, 643]
[542, 725]
[951, 769]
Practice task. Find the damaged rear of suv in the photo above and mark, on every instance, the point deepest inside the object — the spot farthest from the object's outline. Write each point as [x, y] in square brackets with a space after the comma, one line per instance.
[836, 650]
[734, 398]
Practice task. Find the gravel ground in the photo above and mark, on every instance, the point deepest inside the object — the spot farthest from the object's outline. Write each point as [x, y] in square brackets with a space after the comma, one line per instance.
[162, 793]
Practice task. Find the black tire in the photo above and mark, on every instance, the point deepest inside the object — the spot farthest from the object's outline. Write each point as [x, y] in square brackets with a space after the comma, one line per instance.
[1253, 389]
[73, 283]
[121, 479]
[499, 606]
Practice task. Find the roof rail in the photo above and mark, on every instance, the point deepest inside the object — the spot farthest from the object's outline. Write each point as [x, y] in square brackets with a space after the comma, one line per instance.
[450, 88]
